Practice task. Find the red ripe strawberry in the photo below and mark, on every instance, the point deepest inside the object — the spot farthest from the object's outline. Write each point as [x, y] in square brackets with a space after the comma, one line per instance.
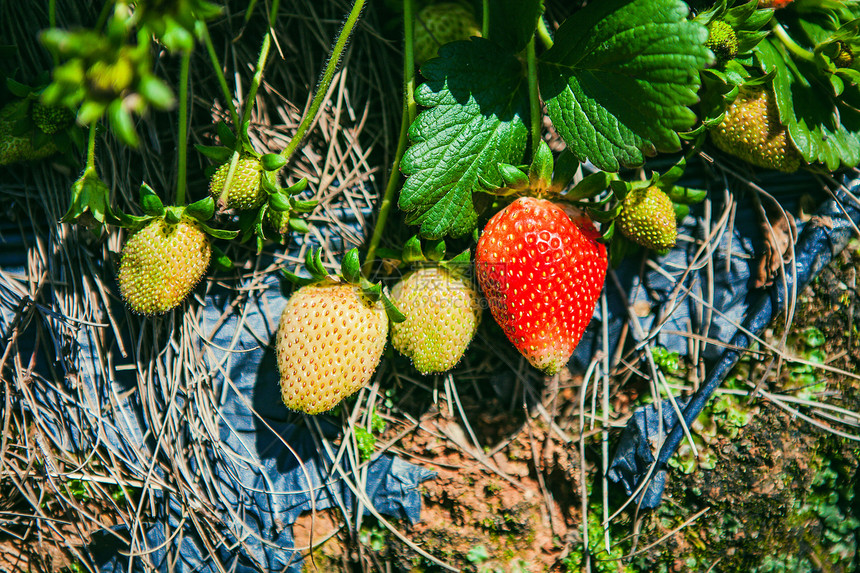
[541, 272]
[161, 263]
[330, 340]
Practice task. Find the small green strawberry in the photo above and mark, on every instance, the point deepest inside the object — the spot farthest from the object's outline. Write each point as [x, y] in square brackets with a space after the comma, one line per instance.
[329, 342]
[442, 314]
[647, 218]
[161, 263]
[246, 189]
[722, 40]
[52, 119]
[751, 131]
[16, 148]
[439, 24]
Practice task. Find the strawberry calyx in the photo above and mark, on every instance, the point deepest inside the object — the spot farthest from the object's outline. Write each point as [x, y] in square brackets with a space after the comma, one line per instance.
[350, 273]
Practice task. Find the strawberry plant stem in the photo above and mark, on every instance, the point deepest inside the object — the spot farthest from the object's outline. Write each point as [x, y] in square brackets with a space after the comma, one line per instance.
[325, 82]
[219, 74]
[534, 98]
[409, 60]
[257, 79]
[791, 45]
[409, 113]
[52, 23]
[91, 148]
[485, 18]
[183, 128]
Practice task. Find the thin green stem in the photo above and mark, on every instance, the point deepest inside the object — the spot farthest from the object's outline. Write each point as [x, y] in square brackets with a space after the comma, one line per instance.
[534, 98]
[409, 113]
[273, 14]
[387, 198]
[485, 18]
[219, 74]
[325, 82]
[409, 60]
[544, 33]
[91, 148]
[183, 128]
[791, 45]
[258, 78]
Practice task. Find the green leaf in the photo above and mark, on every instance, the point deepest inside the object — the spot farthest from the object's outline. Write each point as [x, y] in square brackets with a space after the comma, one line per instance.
[225, 134]
[566, 167]
[350, 266]
[298, 225]
[218, 233]
[590, 186]
[412, 250]
[217, 153]
[540, 171]
[620, 77]
[279, 202]
[822, 128]
[272, 161]
[513, 22]
[201, 210]
[394, 314]
[478, 100]
[150, 202]
[122, 124]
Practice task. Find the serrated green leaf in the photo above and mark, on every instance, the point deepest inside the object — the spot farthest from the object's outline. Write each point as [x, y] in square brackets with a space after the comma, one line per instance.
[822, 128]
[513, 22]
[477, 97]
[620, 77]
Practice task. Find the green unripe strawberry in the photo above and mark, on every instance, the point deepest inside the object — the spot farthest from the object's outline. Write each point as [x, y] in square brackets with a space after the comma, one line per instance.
[15, 148]
[161, 263]
[722, 40]
[442, 315]
[330, 340]
[440, 24]
[246, 190]
[647, 218]
[751, 131]
[52, 118]
[844, 57]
